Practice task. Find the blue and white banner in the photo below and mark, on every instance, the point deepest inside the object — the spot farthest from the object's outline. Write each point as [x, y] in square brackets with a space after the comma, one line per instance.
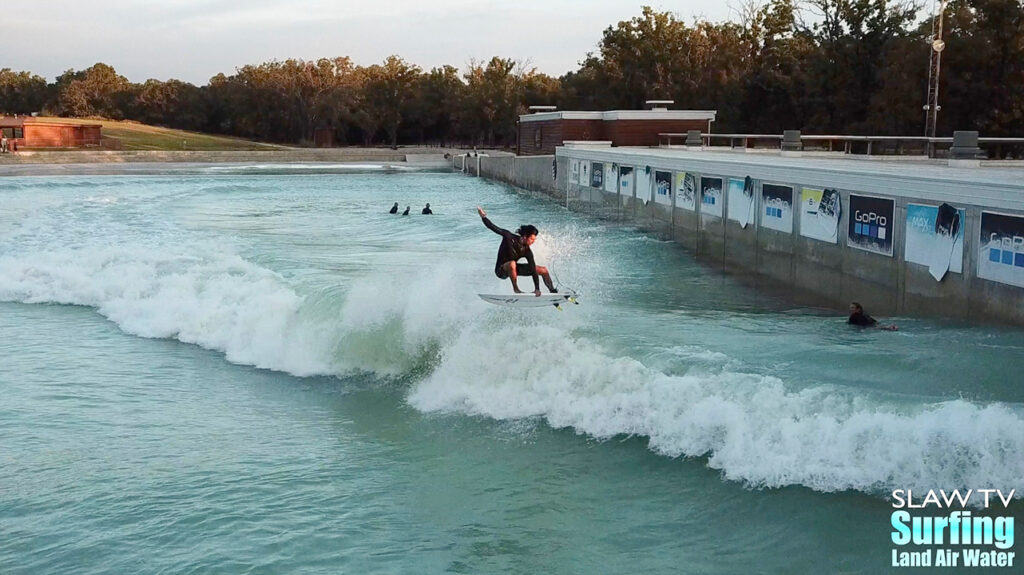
[777, 207]
[871, 224]
[711, 196]
[663, 187]
[935, 238]
[574, 171]
[626, 181]
[741, 201]
[1002, 248]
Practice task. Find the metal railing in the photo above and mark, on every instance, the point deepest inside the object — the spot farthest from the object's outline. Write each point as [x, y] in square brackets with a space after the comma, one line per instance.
[995, 148]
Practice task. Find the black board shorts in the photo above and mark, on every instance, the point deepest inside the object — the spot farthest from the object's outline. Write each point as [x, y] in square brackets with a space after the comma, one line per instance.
[522, 269]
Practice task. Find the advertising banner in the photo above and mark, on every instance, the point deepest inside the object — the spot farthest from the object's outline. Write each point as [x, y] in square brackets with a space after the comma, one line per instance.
[871, 224]
[686, 191]
[711, 196]
[597, 175]
[644, 190]
[741, 201]
[663, 188]
[935, 238]
[820, 213]
[626, 181]
[777, 211]
[611, 180]
[574, 171]
[1002, 248]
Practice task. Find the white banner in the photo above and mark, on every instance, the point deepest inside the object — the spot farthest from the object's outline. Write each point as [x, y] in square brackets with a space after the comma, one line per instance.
[741, 201]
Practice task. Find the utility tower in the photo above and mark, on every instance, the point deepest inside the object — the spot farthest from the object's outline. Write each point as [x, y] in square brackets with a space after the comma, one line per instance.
[931, 108]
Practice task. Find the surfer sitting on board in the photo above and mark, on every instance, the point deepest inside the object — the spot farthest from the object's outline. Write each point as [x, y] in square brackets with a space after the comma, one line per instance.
[513, 248]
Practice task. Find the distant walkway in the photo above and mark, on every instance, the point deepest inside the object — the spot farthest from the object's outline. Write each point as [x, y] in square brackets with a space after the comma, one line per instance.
[419, 156]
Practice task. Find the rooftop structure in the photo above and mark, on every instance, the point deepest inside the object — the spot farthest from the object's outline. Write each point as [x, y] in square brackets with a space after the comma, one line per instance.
[546, 128]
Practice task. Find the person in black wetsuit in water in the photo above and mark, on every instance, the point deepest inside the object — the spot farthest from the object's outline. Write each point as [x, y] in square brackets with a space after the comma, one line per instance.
[394, 209]
[515, 246]
[858, 317]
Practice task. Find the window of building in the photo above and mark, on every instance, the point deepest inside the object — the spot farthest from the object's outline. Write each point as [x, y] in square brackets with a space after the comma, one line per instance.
[19, 132]
[538, 137]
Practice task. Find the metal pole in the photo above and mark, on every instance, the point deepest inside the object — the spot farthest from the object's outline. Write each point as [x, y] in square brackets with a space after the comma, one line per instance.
[936, 45]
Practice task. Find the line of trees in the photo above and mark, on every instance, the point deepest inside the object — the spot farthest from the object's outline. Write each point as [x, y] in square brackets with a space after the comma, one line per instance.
[822, 66]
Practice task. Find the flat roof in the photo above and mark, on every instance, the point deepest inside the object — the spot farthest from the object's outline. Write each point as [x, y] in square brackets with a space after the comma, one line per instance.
[991, 186]
[613, 115]
[12, 122]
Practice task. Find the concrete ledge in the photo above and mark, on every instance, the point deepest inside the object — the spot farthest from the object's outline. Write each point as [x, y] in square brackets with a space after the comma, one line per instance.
[194, 156]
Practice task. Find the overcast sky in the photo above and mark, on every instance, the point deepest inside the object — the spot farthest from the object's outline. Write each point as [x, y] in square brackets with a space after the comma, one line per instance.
[193, 40]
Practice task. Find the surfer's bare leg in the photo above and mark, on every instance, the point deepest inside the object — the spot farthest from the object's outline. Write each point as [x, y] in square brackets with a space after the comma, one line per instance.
[510, 269]
[543, 273]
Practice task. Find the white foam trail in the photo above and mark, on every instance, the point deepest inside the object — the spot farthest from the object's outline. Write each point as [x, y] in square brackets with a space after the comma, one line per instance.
[389, 322]
[218, 301]
[101, 199]
[749, 426]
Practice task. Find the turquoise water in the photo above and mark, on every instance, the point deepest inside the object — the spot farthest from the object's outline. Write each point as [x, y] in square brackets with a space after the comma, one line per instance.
[258, 370]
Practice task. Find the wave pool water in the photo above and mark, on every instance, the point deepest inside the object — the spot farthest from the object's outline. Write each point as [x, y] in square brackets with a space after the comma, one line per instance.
[261, 370]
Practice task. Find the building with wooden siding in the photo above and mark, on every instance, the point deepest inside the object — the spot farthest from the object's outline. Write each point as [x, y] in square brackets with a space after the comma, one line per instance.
[540, 133]
[27, 132]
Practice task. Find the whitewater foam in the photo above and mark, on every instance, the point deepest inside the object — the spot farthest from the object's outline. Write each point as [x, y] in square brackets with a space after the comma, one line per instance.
[748, 426]
[218, 301]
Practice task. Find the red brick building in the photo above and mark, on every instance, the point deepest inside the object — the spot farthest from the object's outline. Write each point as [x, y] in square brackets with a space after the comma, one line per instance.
[29, 132]
[541, 133]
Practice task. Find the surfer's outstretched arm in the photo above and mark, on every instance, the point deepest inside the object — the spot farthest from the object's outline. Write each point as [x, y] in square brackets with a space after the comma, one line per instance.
[490, 225]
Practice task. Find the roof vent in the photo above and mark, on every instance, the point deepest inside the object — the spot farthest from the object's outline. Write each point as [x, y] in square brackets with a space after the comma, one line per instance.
[540, 109]
[659, 104]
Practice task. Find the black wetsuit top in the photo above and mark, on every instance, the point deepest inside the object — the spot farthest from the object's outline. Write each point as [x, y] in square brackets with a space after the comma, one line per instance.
[862, 319]
[394, 209]
[426, 211]
[512, 249]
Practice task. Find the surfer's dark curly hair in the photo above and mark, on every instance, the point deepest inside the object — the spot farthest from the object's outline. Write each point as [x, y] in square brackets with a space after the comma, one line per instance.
[527, 230]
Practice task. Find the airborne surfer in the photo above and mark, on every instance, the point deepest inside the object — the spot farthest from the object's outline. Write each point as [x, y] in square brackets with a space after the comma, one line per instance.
[515, 246]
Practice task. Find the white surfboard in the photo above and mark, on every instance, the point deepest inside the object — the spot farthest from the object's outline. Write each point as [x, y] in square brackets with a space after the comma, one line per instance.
[529, 300]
